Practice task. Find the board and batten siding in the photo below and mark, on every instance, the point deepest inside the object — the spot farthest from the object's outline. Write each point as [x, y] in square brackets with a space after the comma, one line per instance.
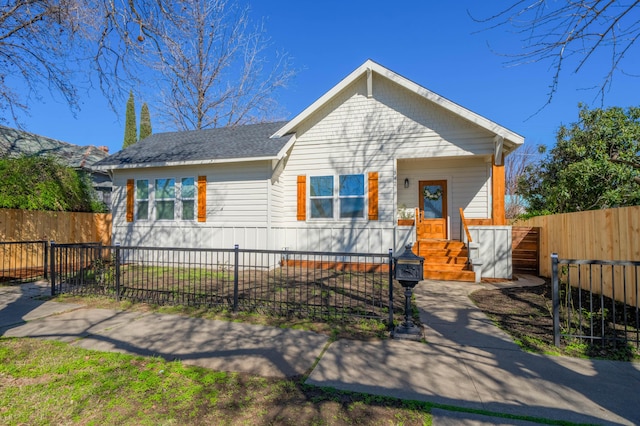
[237, 208]
[495, 250]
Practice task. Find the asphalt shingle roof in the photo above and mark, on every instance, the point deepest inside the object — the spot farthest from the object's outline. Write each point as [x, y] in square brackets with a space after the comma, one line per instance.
[15, 143]
[239, 142]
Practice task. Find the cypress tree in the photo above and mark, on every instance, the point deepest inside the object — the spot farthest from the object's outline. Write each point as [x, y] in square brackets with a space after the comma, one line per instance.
[145, 122]
[130, 132]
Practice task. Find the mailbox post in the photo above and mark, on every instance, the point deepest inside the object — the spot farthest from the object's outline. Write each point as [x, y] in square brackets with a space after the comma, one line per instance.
[409, 271]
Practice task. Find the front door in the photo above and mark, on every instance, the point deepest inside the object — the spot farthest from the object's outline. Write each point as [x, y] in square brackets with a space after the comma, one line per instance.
[432, 197]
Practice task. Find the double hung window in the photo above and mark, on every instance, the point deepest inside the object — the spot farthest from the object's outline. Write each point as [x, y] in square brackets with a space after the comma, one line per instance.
[188, 198]
[142, 199]
[351, 196]
[321, 195]
[165, 199]
[346, 199]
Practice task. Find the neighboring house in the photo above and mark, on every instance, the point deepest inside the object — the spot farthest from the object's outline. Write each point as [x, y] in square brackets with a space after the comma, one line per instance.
[16, 143]
[331, 179]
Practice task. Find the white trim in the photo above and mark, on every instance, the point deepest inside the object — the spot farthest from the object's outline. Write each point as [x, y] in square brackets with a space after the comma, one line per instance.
[450, 213]
[187, 163]
[512, 138]
[336, 198]
[281, 154]
[498, 155]
[156, 199]
[136, 200]
[180, 210]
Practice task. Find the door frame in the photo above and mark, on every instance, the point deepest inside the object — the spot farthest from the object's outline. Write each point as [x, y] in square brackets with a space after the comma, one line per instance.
[445, 200]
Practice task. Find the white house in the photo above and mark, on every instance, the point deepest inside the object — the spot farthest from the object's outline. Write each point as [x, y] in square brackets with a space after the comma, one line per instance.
[334, 178]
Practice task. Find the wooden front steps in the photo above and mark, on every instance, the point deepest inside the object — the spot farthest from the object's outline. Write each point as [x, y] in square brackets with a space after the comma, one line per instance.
[444, 260]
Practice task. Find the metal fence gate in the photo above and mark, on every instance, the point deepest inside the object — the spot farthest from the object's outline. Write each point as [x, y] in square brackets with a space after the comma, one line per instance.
[596, 300]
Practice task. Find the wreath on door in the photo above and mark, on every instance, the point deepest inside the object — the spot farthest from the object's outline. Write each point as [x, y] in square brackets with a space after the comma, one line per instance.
[436, 195]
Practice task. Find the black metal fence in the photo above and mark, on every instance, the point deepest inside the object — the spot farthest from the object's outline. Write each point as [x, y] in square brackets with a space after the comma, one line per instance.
[22, 261]
[279, 282]
[596, 301]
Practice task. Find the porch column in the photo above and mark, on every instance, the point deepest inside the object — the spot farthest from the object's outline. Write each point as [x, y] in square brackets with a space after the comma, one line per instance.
[497, 192]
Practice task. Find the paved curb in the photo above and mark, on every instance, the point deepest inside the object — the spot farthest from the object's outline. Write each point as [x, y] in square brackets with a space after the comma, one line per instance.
[458, 418]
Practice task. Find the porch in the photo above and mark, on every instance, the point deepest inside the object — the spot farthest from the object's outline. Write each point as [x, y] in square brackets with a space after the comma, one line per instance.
[452, 211]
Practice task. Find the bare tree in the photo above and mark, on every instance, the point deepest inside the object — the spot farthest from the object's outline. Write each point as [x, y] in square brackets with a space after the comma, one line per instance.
[203, 57]
[36, 41]
[516, 164]
[572, 33]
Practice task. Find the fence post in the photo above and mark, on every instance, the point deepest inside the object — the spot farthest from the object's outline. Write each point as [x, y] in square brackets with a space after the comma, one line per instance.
[390, 289]
[117, 271]
[45, 261]
[555, 297]
[53, 268]
[235, 277]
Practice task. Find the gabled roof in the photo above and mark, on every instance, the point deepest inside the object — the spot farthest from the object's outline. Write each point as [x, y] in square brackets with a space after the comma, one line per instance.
[250, 142]
[16, 143]
[510, 138]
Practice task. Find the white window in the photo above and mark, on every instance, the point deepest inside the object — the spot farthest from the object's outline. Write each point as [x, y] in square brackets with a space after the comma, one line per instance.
[347, 200]
[351, 196]
[321, 196]
[165, 199]
[142, 199]
[188, 198]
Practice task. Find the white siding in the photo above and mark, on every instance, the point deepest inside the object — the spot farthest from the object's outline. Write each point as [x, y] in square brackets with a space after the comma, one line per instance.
[468, 186]
[336, 238]
[250, 204]
[278, 180]
[237, 208]
[495, 250]
[356, 134]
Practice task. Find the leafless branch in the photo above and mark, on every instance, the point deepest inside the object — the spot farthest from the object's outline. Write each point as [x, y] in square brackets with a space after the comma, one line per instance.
[516, 164]
[570, 33]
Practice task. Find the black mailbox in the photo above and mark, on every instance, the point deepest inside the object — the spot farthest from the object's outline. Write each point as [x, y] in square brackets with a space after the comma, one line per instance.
[408, 268]
[409, 271]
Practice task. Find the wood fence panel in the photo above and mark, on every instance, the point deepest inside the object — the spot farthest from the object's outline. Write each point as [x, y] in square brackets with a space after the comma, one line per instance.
[610, 234]
[61, 227]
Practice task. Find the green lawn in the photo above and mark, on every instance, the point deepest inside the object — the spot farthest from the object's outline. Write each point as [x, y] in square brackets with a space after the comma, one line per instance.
[44, 382]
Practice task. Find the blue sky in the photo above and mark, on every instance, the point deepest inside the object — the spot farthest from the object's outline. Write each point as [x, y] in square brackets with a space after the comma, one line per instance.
[435, 44]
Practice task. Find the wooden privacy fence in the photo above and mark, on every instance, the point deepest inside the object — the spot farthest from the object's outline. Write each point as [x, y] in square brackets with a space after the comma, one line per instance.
[600, 235]
[611, 234]
[62, 227]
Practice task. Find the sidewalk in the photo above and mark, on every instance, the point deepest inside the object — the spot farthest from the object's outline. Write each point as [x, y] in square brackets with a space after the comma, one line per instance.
[218, 345]
[467, 362]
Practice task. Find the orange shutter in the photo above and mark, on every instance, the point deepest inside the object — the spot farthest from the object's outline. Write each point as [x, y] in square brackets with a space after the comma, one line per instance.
[130, 199]
[373, 196]
[302, 198]
[202, 198]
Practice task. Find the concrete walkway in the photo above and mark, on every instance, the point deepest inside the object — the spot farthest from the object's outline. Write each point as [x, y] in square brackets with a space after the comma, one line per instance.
[218, 345]
[467, 361]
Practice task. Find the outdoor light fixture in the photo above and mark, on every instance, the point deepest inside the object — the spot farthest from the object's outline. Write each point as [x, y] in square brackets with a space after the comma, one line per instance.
[406, 182]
